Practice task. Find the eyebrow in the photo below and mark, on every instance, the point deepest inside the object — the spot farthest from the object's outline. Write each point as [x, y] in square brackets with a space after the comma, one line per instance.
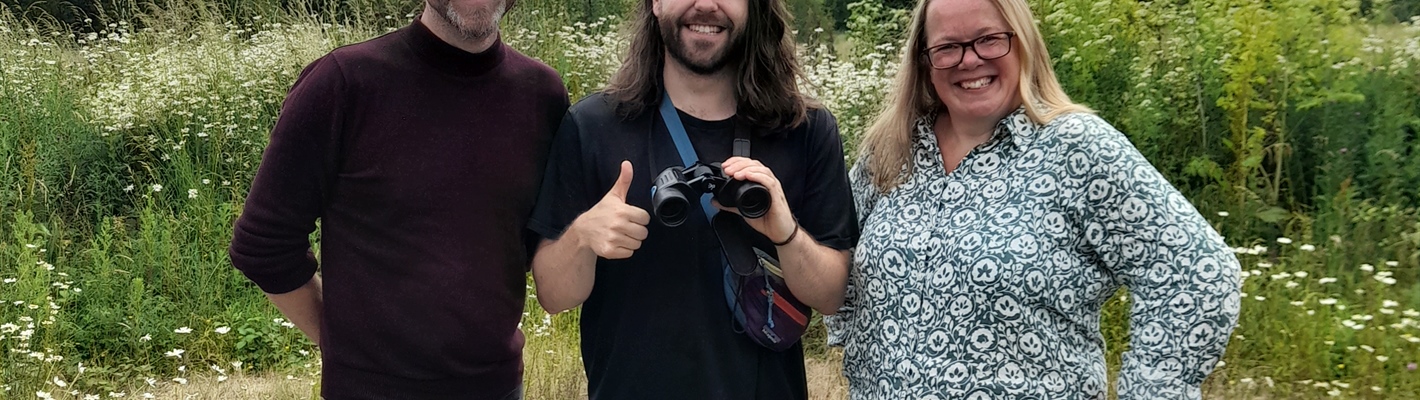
[975, 35]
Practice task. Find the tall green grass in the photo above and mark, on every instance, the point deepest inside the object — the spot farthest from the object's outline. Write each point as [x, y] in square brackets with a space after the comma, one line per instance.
[125, 153]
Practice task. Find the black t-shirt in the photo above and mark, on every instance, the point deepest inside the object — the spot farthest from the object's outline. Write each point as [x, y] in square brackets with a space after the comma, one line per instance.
[656, 325]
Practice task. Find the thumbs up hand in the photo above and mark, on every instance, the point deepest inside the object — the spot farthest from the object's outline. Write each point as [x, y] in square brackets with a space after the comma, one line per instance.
[612, 229]
[622, 185]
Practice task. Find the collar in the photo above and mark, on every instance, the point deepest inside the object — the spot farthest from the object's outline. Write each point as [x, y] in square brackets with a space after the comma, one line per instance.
[449, 59]
[1016, 126]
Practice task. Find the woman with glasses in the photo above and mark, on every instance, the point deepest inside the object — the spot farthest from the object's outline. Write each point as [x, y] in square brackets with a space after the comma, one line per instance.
[997, 219]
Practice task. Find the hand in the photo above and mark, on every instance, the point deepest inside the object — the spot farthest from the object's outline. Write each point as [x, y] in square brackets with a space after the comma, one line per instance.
[778, 223]
[612, 229]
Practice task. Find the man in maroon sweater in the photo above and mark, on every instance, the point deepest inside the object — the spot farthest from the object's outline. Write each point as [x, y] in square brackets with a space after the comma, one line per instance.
[421, 153]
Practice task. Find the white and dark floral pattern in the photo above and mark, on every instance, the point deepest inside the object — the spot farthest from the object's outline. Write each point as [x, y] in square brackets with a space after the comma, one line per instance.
[987, 282]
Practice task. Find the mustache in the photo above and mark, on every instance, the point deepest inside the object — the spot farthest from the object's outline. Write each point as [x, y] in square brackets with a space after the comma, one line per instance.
[707, 18]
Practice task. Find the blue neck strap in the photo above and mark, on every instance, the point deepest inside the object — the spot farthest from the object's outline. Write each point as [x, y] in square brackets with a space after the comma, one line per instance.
[682, 145]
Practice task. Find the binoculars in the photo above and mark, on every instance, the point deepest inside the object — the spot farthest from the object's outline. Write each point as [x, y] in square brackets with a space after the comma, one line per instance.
[676, 186]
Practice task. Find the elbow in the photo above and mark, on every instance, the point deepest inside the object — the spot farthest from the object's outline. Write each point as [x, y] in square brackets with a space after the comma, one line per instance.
[276, 261]
[830, 306]
[276, 272]
[835, 298]
[553, 299]
[553, 304]
[828, 303]
[548, 305]
[558, 287]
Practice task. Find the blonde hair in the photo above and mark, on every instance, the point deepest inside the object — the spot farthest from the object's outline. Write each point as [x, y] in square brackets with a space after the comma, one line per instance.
[888, 142]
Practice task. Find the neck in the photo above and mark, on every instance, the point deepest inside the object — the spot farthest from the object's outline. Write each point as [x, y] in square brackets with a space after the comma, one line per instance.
[708, 97]
[964, 132]
[451, 35]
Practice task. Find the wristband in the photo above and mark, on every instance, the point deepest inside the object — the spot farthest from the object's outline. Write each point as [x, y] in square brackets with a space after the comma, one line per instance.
[791, 235]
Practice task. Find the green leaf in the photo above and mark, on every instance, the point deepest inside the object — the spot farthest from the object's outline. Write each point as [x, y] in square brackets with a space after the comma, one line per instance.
[1272, 215]
[1252, 162]
[1204, 168]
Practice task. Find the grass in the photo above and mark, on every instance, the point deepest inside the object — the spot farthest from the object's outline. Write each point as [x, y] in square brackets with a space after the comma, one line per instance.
[125, 155]
[825, 382]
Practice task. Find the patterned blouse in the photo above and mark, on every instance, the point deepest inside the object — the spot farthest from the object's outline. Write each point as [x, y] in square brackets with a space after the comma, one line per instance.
[987, 282]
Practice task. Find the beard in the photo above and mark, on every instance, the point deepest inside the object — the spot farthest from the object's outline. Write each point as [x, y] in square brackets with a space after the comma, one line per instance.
[683, 52]
[479, 24]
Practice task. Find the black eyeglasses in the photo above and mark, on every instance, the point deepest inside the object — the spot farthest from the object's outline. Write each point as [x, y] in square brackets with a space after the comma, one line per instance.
[988, 47]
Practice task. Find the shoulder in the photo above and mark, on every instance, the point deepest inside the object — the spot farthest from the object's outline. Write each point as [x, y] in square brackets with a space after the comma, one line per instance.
[1077, 126]
[527, 70]
[1082, 131]
[596, 112]
[382, 51]
[819, 126]
[818, 119]
[595, 105]
[595, 119]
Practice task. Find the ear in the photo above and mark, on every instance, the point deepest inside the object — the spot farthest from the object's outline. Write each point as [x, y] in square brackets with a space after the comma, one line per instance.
[656, 8]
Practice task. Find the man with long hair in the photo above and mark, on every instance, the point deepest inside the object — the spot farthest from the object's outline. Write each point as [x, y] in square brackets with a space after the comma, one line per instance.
[655, 322]
[420, 152]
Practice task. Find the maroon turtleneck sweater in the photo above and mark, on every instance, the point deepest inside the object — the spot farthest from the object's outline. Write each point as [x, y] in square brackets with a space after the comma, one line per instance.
[421, 162]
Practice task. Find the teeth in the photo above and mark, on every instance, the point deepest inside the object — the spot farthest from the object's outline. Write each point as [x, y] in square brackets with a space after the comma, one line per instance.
[705, 28]
[976, 84]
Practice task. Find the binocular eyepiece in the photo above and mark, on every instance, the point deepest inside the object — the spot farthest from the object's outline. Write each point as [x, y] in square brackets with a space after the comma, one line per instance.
[676, 188]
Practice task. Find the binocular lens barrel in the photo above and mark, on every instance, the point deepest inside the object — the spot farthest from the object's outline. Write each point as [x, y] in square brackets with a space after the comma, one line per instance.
[678, 189]
[752, 200]
[671, 206]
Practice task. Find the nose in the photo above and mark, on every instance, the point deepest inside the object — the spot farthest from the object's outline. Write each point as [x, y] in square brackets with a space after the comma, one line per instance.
[969, 59]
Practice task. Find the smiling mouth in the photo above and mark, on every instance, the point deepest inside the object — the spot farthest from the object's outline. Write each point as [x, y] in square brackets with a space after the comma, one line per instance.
[705, 29]
[977, 83]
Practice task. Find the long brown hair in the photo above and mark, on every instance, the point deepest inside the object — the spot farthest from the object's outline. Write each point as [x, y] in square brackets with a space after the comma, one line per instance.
[766, 90]
[888, 142]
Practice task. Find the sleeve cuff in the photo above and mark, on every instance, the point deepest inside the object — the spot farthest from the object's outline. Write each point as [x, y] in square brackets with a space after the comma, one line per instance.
[282, 279]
